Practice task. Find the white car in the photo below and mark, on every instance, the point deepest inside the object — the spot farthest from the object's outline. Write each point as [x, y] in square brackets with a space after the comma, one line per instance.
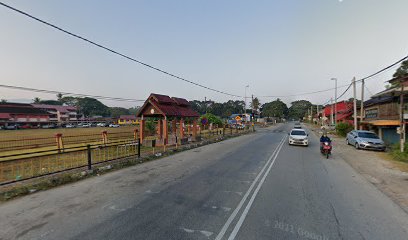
[101, 124]
[114, 125]
[298, 137]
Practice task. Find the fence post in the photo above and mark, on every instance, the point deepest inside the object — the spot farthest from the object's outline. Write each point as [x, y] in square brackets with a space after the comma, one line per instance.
[104, 137]
[60, 144]
[138, 147]
[88, 147]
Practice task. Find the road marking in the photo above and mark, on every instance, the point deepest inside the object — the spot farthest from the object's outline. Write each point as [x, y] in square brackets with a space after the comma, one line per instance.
[244, 198]
[248, 206]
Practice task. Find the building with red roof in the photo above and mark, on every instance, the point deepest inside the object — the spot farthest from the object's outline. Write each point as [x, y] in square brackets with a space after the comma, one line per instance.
[22, 114]
[344, 112]
[58, 113]
[166, 108]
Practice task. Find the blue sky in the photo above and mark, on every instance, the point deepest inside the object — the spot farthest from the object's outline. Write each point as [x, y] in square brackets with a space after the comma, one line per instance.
[276, 47]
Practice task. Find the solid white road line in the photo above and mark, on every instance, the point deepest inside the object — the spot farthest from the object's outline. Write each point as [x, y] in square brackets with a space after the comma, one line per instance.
[244, 198]
[254, 194]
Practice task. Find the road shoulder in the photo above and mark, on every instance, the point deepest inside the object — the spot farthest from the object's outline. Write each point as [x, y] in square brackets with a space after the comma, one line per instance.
[376, 167]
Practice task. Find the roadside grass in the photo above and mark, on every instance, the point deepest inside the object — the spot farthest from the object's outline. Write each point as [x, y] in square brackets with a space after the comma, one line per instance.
[398, 155]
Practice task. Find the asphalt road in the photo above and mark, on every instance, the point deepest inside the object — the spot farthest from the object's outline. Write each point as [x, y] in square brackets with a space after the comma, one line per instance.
[251, 187]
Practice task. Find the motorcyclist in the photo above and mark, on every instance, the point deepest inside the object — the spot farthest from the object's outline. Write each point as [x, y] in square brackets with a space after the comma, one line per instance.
[324, 138]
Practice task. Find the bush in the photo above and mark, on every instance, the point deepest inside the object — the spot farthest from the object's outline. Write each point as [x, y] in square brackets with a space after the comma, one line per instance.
[397, 154]
[343, 128]
[212, 119]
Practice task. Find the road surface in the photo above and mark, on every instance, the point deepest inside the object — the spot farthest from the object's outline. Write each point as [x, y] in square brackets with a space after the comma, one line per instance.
[252, 187]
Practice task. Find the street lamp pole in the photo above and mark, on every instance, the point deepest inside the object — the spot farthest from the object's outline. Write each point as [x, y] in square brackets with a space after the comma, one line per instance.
[335, 100]
[247, 86]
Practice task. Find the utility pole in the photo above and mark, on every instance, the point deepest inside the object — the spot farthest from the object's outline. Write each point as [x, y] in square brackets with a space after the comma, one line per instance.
[402, 124]
[205, 102]
[245, 97]
[362, 103]
[317, 114]
[335, 101]
[311, 113]
[253, 107]
[331, 111]
[355, 102]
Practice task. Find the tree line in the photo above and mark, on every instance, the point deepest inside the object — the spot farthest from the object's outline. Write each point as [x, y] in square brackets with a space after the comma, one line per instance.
[88, 107]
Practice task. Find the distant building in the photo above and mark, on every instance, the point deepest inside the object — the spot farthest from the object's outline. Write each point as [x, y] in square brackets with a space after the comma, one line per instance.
[59, 114]
[22, 114]
[127, 120]
[344, 112]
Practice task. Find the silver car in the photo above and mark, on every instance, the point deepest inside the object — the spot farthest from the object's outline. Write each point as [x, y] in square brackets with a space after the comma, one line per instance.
[365, 140]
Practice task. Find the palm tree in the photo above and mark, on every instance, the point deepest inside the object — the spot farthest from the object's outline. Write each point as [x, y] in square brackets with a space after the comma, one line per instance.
[36, 100]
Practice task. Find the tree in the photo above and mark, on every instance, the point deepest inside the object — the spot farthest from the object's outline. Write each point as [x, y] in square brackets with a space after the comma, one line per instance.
[50, 102]
[299, 108]
[3, 100]
[36, 100]
[91, 107]
[59, 97]
[212, 119]
[69, 101]
[134, 110]
[276, 108]
[402, 71]
[255, 104]
[115, 112]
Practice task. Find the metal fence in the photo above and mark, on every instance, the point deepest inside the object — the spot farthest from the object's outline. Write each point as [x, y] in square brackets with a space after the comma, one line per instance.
[21, 166]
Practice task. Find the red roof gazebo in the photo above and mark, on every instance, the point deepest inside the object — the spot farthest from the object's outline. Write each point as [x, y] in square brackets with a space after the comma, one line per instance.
[166, 108]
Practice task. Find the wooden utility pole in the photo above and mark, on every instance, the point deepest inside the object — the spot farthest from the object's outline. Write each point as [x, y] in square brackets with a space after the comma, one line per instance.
[355, 102]
[205, 102]
[402, 124]
[331, 111]
[362, 103]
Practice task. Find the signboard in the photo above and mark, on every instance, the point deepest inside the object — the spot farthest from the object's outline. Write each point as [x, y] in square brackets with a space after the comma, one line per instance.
[405, 115]
[371, 113]
[238, 118]
[204, 121]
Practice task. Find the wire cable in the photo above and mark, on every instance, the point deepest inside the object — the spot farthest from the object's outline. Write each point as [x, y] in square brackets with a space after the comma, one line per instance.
[70, 93]
[114, 51]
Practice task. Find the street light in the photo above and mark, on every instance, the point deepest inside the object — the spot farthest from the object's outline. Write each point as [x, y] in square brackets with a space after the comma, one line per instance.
[335, 101]
[247, 86]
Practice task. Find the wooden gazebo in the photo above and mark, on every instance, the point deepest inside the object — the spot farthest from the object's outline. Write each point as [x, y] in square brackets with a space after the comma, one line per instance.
[166, 109]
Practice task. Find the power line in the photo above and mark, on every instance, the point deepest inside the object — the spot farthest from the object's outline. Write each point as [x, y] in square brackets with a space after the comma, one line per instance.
[383, 70]
[70, 93]
[346, 85]
[303, 94]
[115, 52]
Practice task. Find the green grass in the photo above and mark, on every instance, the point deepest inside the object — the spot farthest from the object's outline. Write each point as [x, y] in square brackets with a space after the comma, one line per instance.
[398, 155]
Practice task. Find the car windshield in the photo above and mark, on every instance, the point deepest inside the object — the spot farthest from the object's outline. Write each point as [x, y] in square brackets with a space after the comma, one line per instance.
[298, 133]
[367, 135]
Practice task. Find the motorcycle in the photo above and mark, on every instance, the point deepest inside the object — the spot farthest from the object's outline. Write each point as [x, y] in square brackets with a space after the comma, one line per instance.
[326, 149]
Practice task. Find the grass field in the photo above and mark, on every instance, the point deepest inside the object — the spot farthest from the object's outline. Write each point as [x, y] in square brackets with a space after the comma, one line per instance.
[33, 140]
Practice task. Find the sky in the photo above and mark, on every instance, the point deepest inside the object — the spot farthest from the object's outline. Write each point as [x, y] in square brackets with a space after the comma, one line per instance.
[278, 48]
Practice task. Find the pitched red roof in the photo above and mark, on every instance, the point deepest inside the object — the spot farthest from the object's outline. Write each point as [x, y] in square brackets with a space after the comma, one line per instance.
[62, 109]
[162, 99]
[181, 101]
[166, 106]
